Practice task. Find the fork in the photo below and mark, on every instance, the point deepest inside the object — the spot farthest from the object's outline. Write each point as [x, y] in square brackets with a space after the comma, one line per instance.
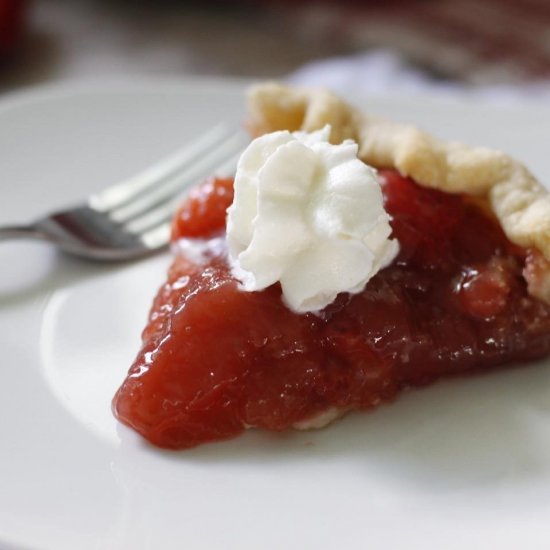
[131, 219]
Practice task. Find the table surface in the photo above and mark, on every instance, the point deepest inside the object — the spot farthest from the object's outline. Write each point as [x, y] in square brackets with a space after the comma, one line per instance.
[457, 40]
[82, 39]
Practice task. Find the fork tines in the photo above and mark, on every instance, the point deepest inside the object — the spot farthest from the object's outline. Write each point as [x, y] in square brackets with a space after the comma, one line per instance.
[148, 199]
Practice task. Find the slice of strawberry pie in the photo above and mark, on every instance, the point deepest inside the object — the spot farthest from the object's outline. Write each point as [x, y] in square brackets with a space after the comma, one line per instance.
[332, 287]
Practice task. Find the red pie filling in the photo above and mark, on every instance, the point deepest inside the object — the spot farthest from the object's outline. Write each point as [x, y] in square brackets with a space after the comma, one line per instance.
[216, 359]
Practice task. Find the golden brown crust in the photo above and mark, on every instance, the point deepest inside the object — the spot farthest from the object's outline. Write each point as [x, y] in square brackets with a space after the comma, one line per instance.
[537, 275]
[274, 107]
[518, 200]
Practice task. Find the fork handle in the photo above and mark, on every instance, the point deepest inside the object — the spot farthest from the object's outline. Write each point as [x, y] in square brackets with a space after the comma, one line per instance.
[20, 232]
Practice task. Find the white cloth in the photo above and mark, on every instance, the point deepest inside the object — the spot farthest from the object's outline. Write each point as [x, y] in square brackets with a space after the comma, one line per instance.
[382, 71]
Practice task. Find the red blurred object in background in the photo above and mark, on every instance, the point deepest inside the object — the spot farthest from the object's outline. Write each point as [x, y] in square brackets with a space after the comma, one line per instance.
[11, 25]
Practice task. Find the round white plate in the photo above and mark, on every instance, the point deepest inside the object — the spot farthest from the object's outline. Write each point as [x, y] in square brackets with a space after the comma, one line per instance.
[463, 464]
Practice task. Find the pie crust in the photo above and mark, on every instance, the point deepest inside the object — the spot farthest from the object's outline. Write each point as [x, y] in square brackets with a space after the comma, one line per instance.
[519, 202]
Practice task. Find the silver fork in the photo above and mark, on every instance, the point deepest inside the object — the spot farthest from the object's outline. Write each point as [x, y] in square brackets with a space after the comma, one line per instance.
[131, 219]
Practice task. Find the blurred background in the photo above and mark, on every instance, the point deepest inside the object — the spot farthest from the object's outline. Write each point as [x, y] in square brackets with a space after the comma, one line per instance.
[499, 46]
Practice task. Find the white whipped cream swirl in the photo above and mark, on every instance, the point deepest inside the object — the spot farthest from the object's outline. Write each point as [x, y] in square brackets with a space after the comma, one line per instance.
[308, 214]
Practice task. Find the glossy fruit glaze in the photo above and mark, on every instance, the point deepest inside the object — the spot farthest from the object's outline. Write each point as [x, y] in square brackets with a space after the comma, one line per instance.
[216, 359]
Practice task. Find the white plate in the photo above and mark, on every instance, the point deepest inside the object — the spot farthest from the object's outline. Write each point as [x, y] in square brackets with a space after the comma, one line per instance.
[465, 463]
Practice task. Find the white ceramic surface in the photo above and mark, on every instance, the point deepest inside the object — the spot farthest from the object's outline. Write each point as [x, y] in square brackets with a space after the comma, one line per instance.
[464, 464]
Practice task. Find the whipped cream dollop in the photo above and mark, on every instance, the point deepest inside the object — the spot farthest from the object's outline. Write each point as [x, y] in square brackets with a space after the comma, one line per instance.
[308, 214]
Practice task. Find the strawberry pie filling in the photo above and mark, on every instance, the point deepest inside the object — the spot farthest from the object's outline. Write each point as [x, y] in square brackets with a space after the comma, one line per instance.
[216, 360]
